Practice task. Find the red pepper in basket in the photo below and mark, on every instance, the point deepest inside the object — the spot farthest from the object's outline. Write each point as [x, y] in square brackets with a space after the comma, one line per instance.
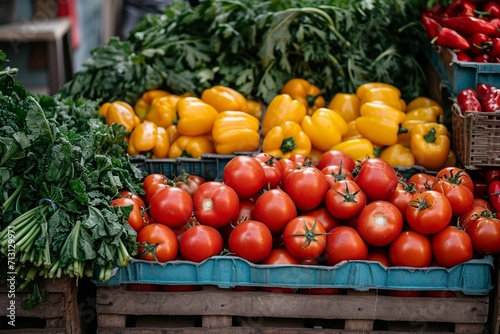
[469, 25]
[431, 26]
[491, 101]
[479, 44]
[494, 195]
[482, 89]
[450, 39]
[484, 58]
[467, 9]
[492, 8]
[467, 100]
[494, 52]
[462, 56]
[496, 23]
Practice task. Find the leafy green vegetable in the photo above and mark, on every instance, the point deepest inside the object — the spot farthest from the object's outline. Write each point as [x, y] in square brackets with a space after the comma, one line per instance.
[61, 167]
[256, 46]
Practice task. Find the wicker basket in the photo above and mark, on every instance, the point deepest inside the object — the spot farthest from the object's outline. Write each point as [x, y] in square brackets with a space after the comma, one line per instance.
[476, 138]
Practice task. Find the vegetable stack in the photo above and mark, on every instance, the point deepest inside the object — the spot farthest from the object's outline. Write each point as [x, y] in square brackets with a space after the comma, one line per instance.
[60, 167]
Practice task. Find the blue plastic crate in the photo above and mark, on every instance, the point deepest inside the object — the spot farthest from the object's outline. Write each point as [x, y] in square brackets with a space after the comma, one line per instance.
[459, 75]
[472, 277]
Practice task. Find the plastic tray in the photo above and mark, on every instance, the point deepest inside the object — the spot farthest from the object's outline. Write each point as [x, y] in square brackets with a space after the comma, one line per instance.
[476, 137]
[209, 166]
[472, 277]
[459, 75]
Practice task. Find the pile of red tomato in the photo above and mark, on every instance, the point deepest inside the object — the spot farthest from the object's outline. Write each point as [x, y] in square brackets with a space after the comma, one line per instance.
[294, 211]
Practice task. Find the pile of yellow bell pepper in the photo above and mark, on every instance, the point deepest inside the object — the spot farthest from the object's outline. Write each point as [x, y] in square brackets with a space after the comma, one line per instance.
[373, 121]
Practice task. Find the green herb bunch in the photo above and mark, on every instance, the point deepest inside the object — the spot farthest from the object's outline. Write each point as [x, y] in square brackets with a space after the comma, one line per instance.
[256, 46]
[60, 167]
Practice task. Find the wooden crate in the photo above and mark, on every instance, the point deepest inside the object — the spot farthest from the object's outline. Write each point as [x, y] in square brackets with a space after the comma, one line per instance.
[57, 314]
[215, 310]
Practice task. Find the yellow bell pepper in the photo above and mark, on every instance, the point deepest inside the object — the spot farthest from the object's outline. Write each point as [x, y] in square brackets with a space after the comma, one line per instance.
[429, 114]
[236, 131]
[286, 140]
[172, 133]
[377, 108]
[305, 92]
[142, 105]
[162, 147]
[378, 129]
[163, 110]
[398, 155]
[451, 160]
[420, 102]
[191, 147]
[282, 108]
[324, 128]
[404, 138]
[195, 117]
[147, 137]
[352, 132]
[119, 112]
[430, 145]
[387, 95]
[364, 88]
[224, 98]
[255, 108]
[358, 149]
[347, 105]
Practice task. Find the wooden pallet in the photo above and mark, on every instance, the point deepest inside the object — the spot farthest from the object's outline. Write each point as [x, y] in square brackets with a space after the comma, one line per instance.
[57, 314]
[215, 310]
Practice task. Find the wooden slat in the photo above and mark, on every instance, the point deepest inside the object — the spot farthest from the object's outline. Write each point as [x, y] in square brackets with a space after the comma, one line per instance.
[52, 307]
[259, 304]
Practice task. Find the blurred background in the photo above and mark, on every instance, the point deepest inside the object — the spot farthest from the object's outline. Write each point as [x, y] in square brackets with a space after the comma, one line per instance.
[93, 22]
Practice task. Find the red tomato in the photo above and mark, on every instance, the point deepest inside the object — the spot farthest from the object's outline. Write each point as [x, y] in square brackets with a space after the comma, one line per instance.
[321, 291]
[379, 223]
[157, 242]
[428, 212]
[404, 293]
[188, 182]
[135, 197]
[150, 179]
[275, 208]
[461, 198]
[335, 157]
[245, 175]
[324, 217]
[485, 235]
[411, 249]
[137, 218]
[215, 204]
[143, 287]
[482, 203]
[422, 181]
[245, 213]
[287, 166]
[302, 160]
[307, 187]
[200, 242]
[379, 255]
[377, 178]
[451, 246]
[279, 256]
[171, 206]
[344, 243]
[345, 200]
[272, 170]
[473, 213]
[251, 240]
[401, 197]
[304, 237]
[180, 287]
[456, 175]
[335, 173]
[154, 189]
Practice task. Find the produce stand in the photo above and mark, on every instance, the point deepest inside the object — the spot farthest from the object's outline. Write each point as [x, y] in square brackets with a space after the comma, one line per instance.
[58, 313]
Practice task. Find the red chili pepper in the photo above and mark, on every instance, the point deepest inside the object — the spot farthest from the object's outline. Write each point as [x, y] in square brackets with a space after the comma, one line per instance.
[454, 8]
[480, 187]
[469, 25]
[468, 9]
[431, 26]
[495, 48]
[462, 56]
[484, 58]
[449, 38]
[479, 44]
[494, 195]
[491, 101]
[467, 100]
[491, 174]
[496, 23]
[482, 89]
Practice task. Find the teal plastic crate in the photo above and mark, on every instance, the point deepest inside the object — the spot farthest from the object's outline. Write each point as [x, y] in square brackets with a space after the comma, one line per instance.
[459, 75]
[472, 277]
